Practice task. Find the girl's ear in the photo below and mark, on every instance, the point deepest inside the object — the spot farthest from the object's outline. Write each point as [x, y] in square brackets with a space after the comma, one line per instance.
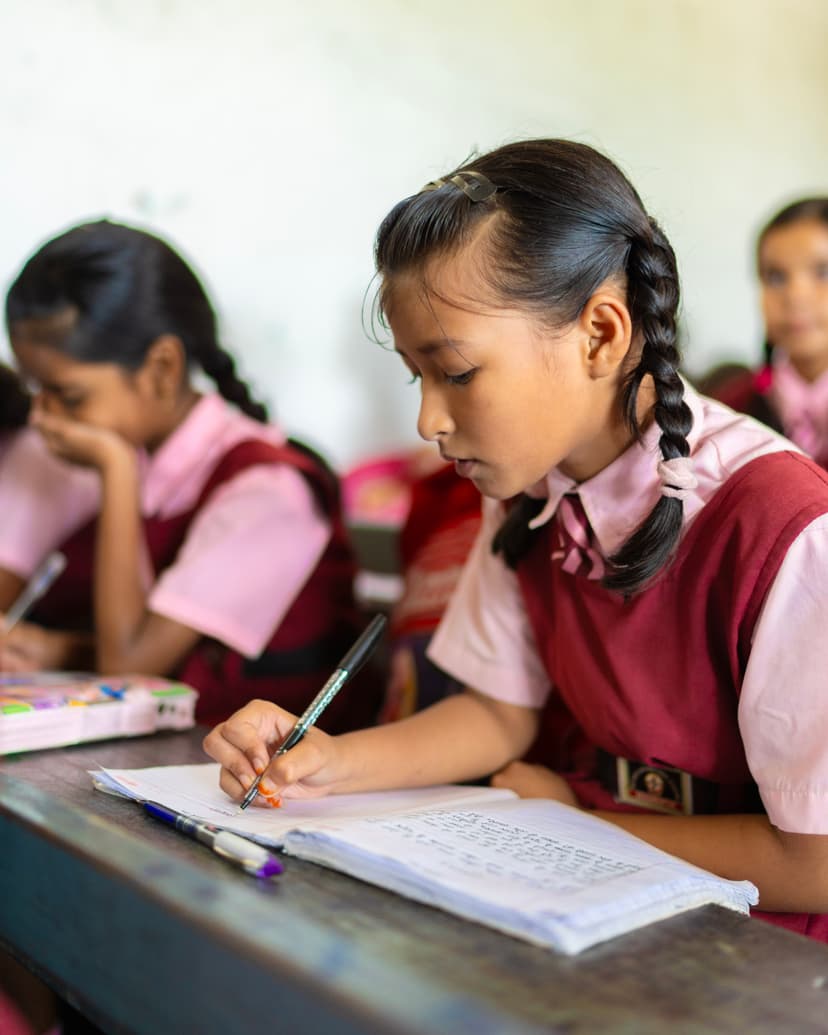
[607, 324]
[164, 369]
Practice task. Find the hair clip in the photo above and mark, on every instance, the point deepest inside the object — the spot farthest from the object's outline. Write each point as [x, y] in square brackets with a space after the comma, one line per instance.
[474, 185]
[677, 478]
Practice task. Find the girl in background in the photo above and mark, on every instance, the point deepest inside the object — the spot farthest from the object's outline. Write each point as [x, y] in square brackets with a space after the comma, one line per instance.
[214, 547]
[657, 559]
[435, 540]
[27, 1006]
[24, 459]
[790, 391]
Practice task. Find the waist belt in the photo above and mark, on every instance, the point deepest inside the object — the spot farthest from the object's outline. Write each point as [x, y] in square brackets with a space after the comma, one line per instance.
[663, 788]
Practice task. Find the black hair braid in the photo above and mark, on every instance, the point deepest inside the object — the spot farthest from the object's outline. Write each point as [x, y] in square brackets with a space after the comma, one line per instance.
[14, 401]
[219, 366]
[514, 536]
[653, 294]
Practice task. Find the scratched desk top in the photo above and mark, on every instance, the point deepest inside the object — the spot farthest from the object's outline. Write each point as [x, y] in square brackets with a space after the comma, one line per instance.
[148, 932]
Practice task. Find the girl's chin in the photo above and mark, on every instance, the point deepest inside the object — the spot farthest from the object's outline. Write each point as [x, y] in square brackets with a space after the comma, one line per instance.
[494, 488]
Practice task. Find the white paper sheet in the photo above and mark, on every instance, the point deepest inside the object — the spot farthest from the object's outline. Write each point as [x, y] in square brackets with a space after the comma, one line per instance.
[540, 870]
[194, 790]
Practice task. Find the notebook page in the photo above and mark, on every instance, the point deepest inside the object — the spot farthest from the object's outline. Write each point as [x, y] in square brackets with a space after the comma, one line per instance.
[194, 791]
[546, 872]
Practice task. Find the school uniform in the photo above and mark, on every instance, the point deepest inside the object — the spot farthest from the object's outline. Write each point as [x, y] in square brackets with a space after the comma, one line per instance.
[780, 397]
[243, 542]
[709, 684]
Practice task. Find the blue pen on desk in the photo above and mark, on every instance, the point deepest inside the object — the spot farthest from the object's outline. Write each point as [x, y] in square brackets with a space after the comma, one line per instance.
[347, 668]
[247, 855]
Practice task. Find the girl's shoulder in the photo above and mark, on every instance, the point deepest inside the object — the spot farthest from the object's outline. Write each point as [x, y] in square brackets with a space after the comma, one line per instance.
[723, 439]
[744, 390]
[173, 479]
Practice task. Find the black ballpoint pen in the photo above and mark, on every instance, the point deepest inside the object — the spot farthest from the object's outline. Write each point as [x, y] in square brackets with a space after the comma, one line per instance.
[347, 668]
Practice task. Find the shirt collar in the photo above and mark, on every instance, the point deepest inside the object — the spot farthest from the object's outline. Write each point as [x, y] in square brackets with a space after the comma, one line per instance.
[619, 498]
[798, 399]
[181, 452]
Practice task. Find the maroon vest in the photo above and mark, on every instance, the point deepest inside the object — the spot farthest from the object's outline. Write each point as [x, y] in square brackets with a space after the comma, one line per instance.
[656, 677]
[317, 630]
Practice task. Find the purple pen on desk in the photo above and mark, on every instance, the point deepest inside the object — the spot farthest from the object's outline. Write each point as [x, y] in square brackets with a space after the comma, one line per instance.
[237, 850]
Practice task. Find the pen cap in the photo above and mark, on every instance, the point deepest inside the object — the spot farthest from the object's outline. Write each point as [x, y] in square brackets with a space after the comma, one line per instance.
[362, 649]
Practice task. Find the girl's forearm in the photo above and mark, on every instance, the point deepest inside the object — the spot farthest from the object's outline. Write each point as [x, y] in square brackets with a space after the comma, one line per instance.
[463, 737]
[120, 601]
[790, 870]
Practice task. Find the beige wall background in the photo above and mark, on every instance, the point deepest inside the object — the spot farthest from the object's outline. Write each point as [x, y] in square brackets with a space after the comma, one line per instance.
[267, 139]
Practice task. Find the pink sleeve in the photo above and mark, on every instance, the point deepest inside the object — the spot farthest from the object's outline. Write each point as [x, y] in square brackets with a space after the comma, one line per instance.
[247, 554]
[485, 639]
[42, 501]
[783, 708]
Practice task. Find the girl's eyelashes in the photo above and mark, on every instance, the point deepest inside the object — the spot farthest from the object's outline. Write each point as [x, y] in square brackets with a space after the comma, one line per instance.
[461, 379]
[451, 379]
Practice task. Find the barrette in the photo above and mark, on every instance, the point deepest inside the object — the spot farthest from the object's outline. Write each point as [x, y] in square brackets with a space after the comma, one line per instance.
[474, 185]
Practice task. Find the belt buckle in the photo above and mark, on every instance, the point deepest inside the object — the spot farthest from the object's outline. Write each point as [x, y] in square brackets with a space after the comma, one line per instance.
[659, 788]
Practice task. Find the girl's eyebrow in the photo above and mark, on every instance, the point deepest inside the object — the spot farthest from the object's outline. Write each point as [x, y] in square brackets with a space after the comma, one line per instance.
[57, 388]
[431, 347]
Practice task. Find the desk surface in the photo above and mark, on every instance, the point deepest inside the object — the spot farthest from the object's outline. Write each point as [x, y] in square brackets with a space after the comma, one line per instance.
[148, 932]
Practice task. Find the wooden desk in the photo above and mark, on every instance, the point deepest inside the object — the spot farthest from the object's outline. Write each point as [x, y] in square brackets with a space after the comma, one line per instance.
[148, 932]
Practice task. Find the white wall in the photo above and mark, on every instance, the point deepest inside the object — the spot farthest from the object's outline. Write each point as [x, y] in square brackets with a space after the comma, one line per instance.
[268, 138]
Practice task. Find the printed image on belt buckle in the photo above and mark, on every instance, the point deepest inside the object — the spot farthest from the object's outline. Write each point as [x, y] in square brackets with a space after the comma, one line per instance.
[660, 788]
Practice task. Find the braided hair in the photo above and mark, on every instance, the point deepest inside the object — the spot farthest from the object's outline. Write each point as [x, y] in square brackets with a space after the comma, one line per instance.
[14, 400]
[112, 290]
[561, 219]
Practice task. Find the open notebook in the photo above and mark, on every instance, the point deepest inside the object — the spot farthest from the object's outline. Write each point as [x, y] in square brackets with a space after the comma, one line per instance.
[537, 870]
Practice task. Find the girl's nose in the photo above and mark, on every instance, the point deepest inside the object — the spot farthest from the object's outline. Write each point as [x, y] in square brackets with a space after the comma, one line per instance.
[434, 420]
[798, 289]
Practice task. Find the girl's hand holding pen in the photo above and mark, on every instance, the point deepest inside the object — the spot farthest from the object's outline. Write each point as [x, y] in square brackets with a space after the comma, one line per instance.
[29, 648]
[243, 745]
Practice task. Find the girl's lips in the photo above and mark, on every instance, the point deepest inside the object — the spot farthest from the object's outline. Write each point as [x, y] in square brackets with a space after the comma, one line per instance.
[798, 327]
[464, 467]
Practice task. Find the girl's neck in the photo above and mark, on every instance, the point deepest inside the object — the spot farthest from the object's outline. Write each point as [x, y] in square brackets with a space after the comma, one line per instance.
[616, 437]
[184, 403]
[809, 368]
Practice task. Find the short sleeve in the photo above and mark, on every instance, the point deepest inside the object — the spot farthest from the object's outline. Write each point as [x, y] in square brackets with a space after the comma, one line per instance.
[247, 555]
[783, 708]
[485, 639]
[42, 501]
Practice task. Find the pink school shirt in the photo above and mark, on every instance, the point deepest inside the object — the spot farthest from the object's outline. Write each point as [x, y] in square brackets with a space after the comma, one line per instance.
[42, 501]
[485, 639]
[248, 551]
[802, 407]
